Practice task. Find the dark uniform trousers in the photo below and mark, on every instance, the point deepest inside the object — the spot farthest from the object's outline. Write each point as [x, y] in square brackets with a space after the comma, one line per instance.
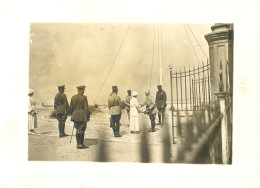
[152, 119]
[80, 131]
[80, 116]
[62, 108]
[61, 119]
[115, 123]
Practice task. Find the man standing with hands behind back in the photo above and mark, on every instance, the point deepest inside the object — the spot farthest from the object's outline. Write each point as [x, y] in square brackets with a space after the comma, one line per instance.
[114, 105]
[160, 102]
[62, 109]
[80, 115]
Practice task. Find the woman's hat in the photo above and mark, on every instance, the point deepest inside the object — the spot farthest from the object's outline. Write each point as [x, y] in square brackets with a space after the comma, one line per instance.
[31, 91]
[134, 93]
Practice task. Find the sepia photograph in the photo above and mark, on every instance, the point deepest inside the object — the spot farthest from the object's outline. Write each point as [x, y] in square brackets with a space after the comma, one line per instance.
[131, 92]
[123, 93]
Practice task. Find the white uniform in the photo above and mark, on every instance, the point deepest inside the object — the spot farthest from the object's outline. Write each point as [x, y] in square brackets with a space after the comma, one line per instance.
[134, 125]
[32, 118]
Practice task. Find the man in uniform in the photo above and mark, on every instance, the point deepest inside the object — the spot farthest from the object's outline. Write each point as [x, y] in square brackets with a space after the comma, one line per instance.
[160, 102]
[114, 105]
[80, 115]
[127, 103]
[150, 109]
[61, 107]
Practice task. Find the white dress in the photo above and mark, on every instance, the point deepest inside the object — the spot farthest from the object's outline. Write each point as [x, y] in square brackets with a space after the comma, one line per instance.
[32, 118]
[134, 125]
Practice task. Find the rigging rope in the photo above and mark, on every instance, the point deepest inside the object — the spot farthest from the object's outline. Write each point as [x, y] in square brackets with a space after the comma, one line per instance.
[152, 58]
[191, 43]
[197, 41]
[112, 63]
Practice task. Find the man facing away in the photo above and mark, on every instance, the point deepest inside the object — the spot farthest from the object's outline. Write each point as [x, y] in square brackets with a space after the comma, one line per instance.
[114, 105]
[80, 115]
[127, 103]
[160, 102]
[150, 109]
[61, 107]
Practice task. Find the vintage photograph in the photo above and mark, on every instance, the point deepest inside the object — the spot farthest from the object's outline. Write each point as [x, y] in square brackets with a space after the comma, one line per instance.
[131, 92]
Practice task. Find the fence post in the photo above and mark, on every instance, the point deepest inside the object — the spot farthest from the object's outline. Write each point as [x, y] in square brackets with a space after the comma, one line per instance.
[173, 141]
[224, 126]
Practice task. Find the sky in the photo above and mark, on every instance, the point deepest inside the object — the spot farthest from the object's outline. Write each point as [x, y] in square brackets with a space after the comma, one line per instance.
[74, 54]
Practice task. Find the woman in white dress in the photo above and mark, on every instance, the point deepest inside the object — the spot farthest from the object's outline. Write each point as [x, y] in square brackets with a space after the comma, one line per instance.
[32, 118]
[134, 105]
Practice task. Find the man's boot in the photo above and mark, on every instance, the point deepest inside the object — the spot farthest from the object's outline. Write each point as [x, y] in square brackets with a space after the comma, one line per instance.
[114, 129]
[63, 129]
[159, 123]
[153, 126]
[118, 129]
[78, 140]
[82, 146]
[60, 130]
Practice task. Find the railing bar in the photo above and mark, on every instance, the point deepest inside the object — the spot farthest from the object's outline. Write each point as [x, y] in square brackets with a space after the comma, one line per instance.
[208, 84]
[185, 90]
[190, 88]
[177, 92]
[199, 88]
[181, 91]
[203, 88]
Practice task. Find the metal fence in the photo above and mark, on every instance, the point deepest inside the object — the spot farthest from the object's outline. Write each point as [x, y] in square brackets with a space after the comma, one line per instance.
[192, 87]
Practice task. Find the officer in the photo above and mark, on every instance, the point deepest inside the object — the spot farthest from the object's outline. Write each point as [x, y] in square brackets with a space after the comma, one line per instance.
[114, 105]
[150, 109]
[80, 115]
[127, 103]
[61, 107]
[160, 102]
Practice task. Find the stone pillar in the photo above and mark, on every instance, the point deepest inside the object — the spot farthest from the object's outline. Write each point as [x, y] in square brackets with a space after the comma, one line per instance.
[224, 127]
[220, 42]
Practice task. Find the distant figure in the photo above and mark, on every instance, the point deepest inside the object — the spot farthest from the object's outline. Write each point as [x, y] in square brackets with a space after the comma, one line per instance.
[32, 118]
[114, 105]
[61, 107]
[134, 110]
[127, 103]
[150, 109]
[80, 115]
[160, 102]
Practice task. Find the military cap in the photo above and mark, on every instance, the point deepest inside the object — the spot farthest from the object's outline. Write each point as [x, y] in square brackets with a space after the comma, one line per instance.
[81, 87]
[31, 91]
[114, 87]
[128, 90]
[159, 85]
[61, 86]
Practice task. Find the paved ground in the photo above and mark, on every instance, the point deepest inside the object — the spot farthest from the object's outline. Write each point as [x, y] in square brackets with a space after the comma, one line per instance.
[47, 146]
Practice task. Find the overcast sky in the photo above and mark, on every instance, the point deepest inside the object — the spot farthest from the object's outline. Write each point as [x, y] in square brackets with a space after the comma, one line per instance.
[76, 54]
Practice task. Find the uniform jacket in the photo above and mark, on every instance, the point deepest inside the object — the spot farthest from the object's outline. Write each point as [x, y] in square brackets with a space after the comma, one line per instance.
[61, 103]
[161, 98]
[114, 104]
[127, 102]
[79, 108]
[150, 104]
[134, 104]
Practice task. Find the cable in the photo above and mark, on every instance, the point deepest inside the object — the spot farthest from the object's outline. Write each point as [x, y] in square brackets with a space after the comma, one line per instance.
[112, 64]
[152, 58]
[191, 43]
[197, 41]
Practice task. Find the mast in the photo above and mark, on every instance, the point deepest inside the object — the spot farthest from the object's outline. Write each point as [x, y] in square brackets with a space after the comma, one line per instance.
[160, 54]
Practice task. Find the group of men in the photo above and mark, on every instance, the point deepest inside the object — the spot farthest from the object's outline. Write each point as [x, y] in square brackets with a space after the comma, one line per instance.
[115, 106]
[80, 113]
[79, 110]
